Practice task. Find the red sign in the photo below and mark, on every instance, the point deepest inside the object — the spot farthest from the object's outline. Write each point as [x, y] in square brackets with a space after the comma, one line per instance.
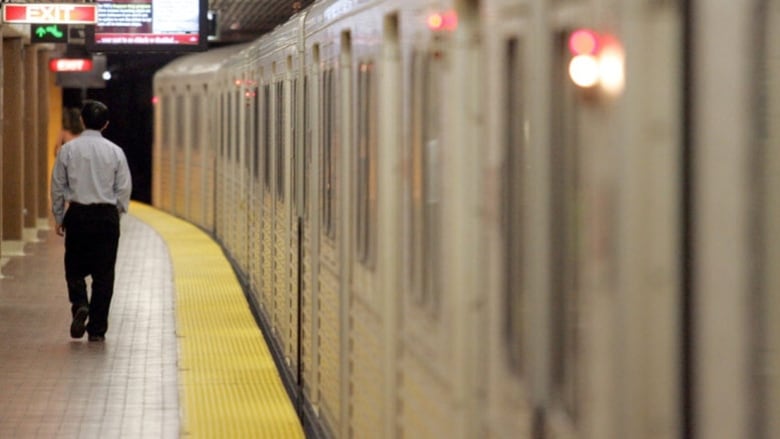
[70, 65]
[45, 13]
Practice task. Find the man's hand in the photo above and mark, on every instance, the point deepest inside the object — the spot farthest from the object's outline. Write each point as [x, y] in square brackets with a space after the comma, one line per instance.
[60, 230]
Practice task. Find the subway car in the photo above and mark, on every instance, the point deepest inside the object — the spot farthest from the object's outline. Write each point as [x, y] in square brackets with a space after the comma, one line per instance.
[498, 218]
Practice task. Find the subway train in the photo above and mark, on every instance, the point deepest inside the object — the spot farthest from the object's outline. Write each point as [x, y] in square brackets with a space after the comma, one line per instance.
[498, 218]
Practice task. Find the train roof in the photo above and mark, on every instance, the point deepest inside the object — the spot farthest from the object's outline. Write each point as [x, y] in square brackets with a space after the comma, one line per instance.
[203, 63]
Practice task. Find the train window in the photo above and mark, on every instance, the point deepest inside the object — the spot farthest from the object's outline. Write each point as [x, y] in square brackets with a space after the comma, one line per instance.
[425, 185]
[279, 110]
[306, 146]
[267, 137]
[513, 205]
[221, 133]
[294, 144]
[565, 233]
[166, 153]
[166, 120]
[366, 185]
[195, 124]
[236, 123]
[249, 129]
[229, 126]
[179, 141]
[256, 135]
[328, 151]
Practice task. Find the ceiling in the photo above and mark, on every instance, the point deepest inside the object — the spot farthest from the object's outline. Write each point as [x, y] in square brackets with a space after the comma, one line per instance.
[244, 20]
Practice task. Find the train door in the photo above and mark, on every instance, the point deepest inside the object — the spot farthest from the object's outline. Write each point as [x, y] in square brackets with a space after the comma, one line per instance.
[566, 231]
[286, 228]
[426, 356]
[237, 243]
[279, 187]
[245, 154]
[292, 163]
[344, 168]
[506, 232]
[196, 168]
[614, 244]
[312, 89]
[211, 113]
[329, 258]
[180, 154]
[367, 323]
[255, 188]
[163, 200]
[176, 150]
[267, 195]
[221, 192]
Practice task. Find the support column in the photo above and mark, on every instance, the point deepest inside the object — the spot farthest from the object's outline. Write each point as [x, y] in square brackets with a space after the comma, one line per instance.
[30, 145]
[44, 140]
[13, 146]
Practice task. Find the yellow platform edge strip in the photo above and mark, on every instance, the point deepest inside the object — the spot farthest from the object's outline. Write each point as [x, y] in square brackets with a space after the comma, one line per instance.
[229, 386]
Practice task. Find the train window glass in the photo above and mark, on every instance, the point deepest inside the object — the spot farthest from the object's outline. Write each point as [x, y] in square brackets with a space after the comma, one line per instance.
[229, 126]
[166, 153]
[179, 141]
[565, 233]
[236, 124]
[195, 123]
[249, 129]
[256, 135]
[279, 111]
[513, 205]
[425, 185]
[306, 146]
[328, 153]
[432, 165]
[294, 137]
[221, 133]
[267, 137]
[166, 120]
[366, 188]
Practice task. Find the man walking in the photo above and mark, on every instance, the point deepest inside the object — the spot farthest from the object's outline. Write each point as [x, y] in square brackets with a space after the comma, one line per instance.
[91, 176]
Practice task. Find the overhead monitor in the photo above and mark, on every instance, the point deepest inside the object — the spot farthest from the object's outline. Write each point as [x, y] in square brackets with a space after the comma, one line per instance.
[148, 26]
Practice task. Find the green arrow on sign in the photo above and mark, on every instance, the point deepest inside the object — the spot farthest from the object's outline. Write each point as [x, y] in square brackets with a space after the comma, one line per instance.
[55, 31]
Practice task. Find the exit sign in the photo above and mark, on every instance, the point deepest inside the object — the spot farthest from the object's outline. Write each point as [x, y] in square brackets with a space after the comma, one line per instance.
[50, 13]
[49, 33]
[70, 65]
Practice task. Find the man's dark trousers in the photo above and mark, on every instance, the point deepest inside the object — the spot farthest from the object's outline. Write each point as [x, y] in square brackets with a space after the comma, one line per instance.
[91, 242]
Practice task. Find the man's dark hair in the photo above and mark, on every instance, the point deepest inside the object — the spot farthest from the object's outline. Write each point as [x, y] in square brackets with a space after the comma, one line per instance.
[94, 114]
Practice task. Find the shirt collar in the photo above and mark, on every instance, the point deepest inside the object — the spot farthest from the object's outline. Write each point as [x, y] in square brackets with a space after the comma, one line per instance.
[92, 133]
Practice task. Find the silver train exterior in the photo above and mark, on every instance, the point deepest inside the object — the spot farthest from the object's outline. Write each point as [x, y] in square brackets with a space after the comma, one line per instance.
[499, 218]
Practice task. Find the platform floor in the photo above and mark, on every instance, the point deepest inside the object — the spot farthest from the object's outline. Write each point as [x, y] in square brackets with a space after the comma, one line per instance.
[54, 386]
[165, 369]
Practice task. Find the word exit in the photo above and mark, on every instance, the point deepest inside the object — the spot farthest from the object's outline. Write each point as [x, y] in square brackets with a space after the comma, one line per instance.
[55, 13]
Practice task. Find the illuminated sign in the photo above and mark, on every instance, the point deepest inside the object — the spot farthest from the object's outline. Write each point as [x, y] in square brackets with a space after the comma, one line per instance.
[70, 65]
[49, 33]
[50, 13]
[149, 25]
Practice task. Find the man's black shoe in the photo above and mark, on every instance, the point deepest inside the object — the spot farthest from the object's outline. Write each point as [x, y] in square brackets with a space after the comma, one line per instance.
[97, 338]
[78, 327]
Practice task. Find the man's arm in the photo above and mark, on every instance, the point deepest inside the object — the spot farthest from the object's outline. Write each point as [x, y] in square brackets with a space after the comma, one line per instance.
[123, 184]
[59, 184]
